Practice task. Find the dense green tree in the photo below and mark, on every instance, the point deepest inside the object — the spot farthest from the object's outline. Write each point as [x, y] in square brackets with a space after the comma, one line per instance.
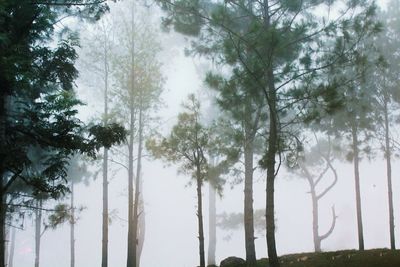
[37, 106]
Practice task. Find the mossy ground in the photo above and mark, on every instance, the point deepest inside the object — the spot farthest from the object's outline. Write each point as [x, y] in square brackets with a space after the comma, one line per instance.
[345, 258]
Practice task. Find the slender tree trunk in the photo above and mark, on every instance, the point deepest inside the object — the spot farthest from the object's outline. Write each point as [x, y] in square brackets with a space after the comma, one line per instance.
[3, 204]
[104, 248]
[12, 248]
[38, 231]
[200, 217]
[389, 175]
[3, 208]
[72, 223]
[357, 188]
[137, 188]
[2, 228]
[212, 224]
[6, 253]
[131, 259]
[248, 202]
[104, 244]
[131, 243]
[272, 149]
[316, 238]
[141, 225]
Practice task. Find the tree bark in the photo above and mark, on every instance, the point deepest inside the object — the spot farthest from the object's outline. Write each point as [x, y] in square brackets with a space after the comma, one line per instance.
[38, 231]
[3, 204]
[212, 225]
[12, 248]
[131, 258]
[389, 174]
[315, 211]
[248, 201]
[200, 216]
[104, 244]
[137, 190]
[3, 208]
[357, 188]
[272, 150]
[72, 233]
[141, 225]
[131, 243]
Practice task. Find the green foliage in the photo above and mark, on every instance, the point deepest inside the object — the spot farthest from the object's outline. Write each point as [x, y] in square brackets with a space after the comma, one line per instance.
[40, 130]
[187, 143]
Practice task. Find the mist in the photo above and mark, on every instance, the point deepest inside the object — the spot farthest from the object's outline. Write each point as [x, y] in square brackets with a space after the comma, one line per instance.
[123, 121]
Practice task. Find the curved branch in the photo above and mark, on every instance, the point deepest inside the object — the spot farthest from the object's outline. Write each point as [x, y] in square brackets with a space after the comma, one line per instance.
[334, 217]
[328, 161]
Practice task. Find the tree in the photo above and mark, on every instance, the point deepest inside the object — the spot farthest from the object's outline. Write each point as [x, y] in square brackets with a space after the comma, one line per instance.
[137, 95]
[385, 79]
[239, 100]
[98, 61]
[187, 146]
[37, 106]
[77, 172]
[354, 120]
[313, 165]
[286, 47]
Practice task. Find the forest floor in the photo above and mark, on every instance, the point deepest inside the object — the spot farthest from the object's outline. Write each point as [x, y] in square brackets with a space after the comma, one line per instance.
[345, 258]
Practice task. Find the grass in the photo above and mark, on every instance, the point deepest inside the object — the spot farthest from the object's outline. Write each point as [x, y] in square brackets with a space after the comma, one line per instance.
[345, 258]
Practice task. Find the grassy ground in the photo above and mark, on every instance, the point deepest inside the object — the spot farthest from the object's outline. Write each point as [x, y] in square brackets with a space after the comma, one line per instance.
[346, 258]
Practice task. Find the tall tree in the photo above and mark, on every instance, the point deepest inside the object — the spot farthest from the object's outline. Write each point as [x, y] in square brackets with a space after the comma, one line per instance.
[137, 94]
[187, 146]
[354, 120]
[98, 58]
[238, 99]
[385, 79]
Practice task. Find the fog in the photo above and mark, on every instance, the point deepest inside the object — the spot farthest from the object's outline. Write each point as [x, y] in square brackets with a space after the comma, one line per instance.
[170, 203]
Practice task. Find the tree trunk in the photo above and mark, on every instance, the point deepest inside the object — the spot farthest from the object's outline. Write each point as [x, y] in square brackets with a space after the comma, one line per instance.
[38, 231]
[3, 204]
[104, 248]
[6, 253]
[104, 244]
[316, 238]
[272, 150]
[141, 226]
[3, 208]
[389, 175]
[212, 225]
[131, 243]
[270, 164]
[357, 188]
[200, 217]
[131, 258]
[12, 248]
[72, 233]
[137, 190]
[248, 202]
